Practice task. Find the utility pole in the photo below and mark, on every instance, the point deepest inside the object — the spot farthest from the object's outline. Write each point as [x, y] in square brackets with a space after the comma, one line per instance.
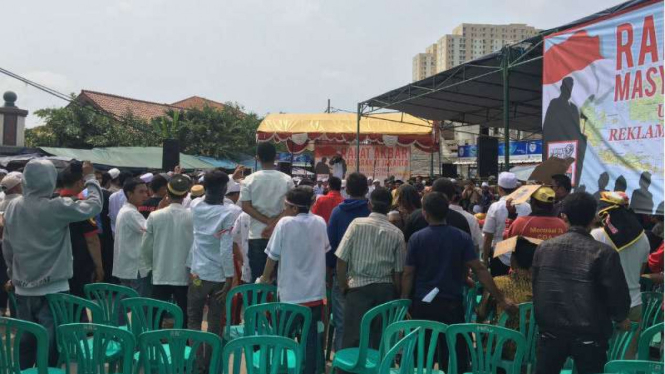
[328, 110]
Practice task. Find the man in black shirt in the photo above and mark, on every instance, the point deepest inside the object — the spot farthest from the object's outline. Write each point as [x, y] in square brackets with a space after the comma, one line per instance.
[158, 188]
[86, 248]
[417, 222]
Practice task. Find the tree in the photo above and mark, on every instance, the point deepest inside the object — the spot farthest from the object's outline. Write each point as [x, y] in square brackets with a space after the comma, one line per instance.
[221, 133]
[74, 126]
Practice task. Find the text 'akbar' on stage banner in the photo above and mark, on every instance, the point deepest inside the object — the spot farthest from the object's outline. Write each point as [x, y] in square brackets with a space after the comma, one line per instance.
[376, 161]
[603, 104]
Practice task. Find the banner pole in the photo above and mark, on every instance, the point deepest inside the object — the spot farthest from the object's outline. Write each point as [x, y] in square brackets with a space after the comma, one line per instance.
[506, 108]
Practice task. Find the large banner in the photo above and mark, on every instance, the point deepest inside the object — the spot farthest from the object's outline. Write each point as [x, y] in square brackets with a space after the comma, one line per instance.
[376, 161]
[603, 104]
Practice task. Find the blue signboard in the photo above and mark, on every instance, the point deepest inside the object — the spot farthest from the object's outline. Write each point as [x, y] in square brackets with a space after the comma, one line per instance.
[525, 149]
[303, 158]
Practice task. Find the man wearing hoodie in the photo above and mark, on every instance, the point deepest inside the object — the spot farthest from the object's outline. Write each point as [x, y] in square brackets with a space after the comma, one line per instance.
[340, 219]
[37, 247]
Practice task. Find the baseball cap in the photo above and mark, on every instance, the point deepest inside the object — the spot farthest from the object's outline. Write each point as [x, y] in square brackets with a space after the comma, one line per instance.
[178, 185]
[10, 182]
[114, 173]
[507, 180]
[233, 187]
[197, 190]
[544, 194]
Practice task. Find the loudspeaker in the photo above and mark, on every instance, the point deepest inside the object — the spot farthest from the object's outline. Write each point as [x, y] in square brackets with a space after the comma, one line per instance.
[449, 170]
[284, 167]
[170, 154]
[488, 156]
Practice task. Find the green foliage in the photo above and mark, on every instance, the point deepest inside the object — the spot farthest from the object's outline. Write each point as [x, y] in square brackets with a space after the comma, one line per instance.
[221, 133]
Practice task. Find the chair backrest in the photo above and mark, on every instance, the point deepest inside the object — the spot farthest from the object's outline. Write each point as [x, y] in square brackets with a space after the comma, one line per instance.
[70, 309]
[652, 309]
[427, 338]
[388, 314]
[10, 344]
[109, 296]
[470, 303]
[86, 345]
[280, 319]
[527, 327]
[646, 337]
[163, 351]
[634, 367]
[404, 347]
[620, 342]
[485, 357]
[147, 314]
[250, 294]
[272, 351]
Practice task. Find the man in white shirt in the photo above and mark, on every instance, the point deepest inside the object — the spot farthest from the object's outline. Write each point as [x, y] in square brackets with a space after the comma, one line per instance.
[632, 244]
[319, 188]
[262, 196]
[128, 265]
[117, 198]
[212, 268]
[495, 224]
[166, 244]
[453, 194]
[299, 245]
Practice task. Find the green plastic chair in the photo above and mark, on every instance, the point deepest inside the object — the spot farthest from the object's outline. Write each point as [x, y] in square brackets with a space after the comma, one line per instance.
[271, 351]
[426, 355]
[646, 284]
[404, 348]
[10, 345]
[363, 359]
[470, 303]
[646, 338]
[74, 339]
[67, 309]
[147, 315]
[652, 309]
[109, 296]
[279, 319]
[331, 325]
[529, 330]
[486, 357]
[164, 351]
[620, 342]
[634, 367]
[251, 294]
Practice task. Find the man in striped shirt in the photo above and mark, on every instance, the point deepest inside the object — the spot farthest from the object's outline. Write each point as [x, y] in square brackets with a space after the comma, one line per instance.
[369, 266]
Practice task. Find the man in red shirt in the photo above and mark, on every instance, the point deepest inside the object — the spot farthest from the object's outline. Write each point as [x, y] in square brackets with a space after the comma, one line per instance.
[541, 223]
[325, 204]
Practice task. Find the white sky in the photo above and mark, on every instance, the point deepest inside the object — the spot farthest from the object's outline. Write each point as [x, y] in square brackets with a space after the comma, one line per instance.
[269, 56]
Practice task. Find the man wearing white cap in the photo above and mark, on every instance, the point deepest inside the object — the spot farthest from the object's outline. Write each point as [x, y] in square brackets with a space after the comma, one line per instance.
[157, 185]
[486, 197]
[495, 224]
[11, 186]
[116, 183]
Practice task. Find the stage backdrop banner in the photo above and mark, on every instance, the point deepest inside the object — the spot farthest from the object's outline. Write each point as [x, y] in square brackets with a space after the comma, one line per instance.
[376, 161]
[603, 104]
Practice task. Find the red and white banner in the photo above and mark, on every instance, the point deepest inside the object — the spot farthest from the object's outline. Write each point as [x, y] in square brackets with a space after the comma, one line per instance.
[376, 161]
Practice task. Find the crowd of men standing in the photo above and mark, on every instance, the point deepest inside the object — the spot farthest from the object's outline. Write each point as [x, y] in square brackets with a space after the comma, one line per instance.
[190, 239]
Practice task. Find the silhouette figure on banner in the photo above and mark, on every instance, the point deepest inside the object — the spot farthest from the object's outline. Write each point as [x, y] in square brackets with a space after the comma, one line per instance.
[603, 181]
[620, 184]
[642, 199]
[562, 124]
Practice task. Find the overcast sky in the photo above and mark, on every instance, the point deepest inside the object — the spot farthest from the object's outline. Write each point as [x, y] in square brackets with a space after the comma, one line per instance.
[269, 56]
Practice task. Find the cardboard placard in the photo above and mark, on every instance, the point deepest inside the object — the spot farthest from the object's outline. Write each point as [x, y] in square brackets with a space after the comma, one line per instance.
[522, 194]
[545, 170]
[509, 245]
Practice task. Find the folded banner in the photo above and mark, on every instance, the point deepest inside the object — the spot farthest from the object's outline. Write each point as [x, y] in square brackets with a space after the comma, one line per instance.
[603, 104]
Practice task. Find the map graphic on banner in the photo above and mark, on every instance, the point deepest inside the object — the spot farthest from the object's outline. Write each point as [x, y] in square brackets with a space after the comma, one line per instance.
[603, 104]
[376, 161]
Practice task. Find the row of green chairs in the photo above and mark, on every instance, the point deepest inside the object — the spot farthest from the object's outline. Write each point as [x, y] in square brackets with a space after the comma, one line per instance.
[161, 352]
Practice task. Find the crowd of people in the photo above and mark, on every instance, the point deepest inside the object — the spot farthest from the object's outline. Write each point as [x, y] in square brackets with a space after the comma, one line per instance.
[191, 238]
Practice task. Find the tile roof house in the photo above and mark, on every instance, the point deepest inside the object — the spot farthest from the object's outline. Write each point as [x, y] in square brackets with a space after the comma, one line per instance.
[146, 110]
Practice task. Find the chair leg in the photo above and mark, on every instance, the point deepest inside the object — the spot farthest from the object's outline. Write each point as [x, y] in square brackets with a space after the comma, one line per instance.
[329, 343]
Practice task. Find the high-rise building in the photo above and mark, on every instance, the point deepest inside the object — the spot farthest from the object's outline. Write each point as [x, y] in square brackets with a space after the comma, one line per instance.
[468, 42]
[424, 65]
